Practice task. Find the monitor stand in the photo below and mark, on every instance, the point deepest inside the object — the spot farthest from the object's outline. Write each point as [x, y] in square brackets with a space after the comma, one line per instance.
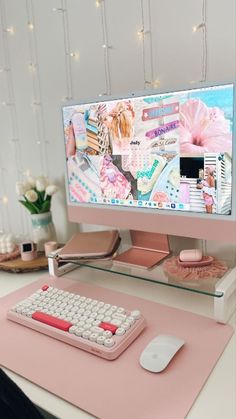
[148, 249]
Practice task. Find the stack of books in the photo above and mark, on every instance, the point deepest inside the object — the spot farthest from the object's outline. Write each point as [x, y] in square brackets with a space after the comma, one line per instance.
[92, 131]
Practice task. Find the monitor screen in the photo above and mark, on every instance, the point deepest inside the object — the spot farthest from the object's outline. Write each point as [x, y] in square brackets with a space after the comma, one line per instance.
[163, 153]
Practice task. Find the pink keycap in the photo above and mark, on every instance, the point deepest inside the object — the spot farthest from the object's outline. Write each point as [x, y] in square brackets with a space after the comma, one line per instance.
[51, 321]
[108, 326]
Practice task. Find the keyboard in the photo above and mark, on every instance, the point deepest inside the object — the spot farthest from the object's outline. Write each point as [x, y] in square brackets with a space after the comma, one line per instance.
[98, 327]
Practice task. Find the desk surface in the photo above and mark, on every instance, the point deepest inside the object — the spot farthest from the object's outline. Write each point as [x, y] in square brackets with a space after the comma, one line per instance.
[216, 400]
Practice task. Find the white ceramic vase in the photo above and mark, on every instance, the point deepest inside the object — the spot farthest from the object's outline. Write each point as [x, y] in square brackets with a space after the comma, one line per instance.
[43, 229]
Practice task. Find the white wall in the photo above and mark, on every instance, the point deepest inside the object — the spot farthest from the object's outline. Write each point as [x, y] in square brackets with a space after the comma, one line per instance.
[31, 134]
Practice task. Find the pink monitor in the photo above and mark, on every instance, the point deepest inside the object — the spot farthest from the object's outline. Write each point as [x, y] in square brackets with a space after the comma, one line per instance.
[161, 162]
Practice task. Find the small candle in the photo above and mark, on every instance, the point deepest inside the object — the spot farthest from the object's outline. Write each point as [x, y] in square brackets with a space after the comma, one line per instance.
[50, 247]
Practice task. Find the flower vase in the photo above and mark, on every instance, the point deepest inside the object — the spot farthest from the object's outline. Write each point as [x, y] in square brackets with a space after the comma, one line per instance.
[43, 229]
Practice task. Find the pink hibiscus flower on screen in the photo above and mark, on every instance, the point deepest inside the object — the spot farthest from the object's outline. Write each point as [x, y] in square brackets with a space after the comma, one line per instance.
[203, 129]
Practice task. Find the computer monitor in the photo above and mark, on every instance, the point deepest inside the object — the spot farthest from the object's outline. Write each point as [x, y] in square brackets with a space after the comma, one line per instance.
[160, 162]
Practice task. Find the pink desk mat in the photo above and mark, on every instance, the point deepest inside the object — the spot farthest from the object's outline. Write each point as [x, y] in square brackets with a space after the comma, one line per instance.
[120, 388]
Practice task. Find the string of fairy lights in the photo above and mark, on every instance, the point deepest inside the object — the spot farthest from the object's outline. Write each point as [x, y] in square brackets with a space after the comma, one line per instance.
[62, 10]
[10, 103]
[37, 105]
[106, 48]
[202, 26]
[145, 37]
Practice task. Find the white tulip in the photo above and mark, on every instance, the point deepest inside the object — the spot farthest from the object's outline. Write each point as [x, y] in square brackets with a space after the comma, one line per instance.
[31, 195]
[20, 188]
[26, 186]
[31, 180]
[47, 182]
[40, 183]
[51, 189]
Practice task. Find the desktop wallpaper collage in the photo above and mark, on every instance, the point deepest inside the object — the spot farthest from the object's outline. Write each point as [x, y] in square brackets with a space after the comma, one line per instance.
[164, 151]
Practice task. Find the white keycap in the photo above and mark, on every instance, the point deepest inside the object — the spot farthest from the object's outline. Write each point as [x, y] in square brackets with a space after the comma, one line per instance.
[107, 319]
[131, 320]
[72, 329]
[107, 334]
[81, 310]
[109, 312]
[79, 331]
[116, 322]
[96, 322]
[101, 340]
[119, 316]
[125, 325]
[96, 329]
[88, 300]
[87, 326]
[120, 331]
[113, 308]
[80, 323]
[82, 299]
[120, 310]
[86, 334]
[74, 309]
[102, 311]
[93, 337]
[135, 314]
[109, 343]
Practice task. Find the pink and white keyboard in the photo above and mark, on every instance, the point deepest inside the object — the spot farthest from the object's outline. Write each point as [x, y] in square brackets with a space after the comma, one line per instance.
[94, 326]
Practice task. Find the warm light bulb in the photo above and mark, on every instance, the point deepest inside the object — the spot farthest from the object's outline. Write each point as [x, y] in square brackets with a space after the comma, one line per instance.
[10, 30]
[195, 28]
[35, 103]
[27, 172]
[75, 55]
[5, 199]
[98, 3]
[156, 83]
[32, 66]
[6, 103]
[30, 26]
[141, 34]
[58, 9]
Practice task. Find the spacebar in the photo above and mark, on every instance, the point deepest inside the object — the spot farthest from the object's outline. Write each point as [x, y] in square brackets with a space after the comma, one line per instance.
[51, 321]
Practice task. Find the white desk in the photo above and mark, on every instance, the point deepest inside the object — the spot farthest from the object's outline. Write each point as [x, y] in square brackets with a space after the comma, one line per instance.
[217, 400]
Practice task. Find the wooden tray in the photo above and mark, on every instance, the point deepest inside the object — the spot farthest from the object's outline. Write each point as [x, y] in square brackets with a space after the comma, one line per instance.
[18, 265]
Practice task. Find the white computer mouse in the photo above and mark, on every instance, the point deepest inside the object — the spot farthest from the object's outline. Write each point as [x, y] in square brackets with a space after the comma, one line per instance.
[159, 352]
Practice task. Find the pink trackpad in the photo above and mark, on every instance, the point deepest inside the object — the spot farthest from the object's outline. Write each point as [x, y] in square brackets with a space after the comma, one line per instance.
[121, 388]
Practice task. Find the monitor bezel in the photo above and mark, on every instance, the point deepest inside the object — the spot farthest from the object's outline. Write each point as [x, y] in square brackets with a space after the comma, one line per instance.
[176, 222]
